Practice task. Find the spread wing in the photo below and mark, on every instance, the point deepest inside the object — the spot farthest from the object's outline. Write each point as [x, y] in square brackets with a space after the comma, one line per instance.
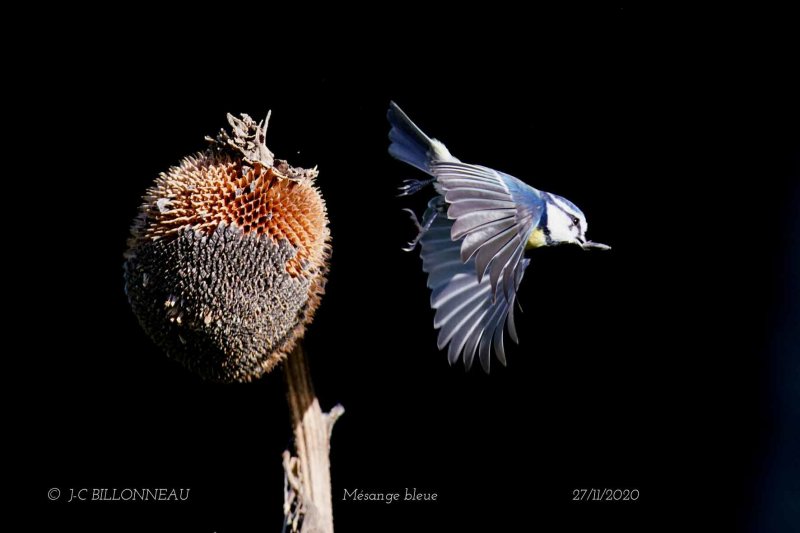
[493, 214]
[468, 315]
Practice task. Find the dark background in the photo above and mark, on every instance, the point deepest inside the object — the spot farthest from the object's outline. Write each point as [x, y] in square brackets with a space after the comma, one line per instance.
[668, 365]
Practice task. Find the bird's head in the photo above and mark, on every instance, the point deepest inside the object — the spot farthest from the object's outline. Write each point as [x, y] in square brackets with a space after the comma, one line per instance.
[566, 224]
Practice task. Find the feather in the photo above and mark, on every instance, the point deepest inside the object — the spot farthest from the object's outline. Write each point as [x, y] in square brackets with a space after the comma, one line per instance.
[471, 346]
[456, 169]
[451, 287]
[472, 221]
[410, 145]
[482, 236]
[458, 327]
[501, 260]
[463, 207]
[474, 193]
[499, 349]
[490, 249]
[464, 182]
[451, 307]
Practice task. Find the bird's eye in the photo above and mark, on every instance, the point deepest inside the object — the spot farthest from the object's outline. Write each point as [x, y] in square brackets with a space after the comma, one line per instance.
[575, 221]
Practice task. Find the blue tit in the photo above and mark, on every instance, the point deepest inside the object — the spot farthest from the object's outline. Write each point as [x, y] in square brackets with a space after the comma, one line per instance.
[473, 237]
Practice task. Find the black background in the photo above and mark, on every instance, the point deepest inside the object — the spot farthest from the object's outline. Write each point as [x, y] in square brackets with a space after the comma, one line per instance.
[649, 367]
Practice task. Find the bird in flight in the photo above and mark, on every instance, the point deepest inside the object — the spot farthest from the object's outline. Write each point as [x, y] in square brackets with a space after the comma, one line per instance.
[473, 237]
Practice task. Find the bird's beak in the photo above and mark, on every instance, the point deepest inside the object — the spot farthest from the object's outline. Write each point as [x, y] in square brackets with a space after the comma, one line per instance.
[589, 245]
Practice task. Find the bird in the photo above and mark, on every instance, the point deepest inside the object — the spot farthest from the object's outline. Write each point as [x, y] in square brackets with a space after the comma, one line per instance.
[473, 239]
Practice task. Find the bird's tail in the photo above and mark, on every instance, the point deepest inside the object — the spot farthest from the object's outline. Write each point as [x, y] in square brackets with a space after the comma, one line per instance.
[409, 143]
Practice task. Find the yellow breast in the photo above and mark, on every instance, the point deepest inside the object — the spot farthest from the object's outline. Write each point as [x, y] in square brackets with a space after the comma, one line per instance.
[536, 239]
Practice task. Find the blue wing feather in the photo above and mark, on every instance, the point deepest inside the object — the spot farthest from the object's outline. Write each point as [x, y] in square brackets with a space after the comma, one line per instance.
[480, 200]
[467, 313]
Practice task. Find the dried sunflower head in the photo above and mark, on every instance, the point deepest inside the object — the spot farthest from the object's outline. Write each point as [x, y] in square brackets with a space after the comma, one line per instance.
[227, 257]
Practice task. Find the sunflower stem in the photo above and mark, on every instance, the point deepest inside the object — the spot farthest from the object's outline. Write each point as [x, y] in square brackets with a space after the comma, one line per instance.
[308, 505]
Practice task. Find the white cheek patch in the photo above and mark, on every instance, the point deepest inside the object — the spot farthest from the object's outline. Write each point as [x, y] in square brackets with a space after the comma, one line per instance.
[558, 222]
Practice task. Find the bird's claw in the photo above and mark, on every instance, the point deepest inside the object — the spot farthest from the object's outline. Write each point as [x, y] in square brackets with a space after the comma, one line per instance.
[421, 227]
[420, 230]
[409, 187]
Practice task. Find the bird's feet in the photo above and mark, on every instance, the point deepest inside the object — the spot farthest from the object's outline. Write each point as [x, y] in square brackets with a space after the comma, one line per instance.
[421, 228]
[409, 187]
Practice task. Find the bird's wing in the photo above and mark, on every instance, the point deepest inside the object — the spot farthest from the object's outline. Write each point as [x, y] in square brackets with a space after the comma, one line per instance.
[468, 315]
[494, 214]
